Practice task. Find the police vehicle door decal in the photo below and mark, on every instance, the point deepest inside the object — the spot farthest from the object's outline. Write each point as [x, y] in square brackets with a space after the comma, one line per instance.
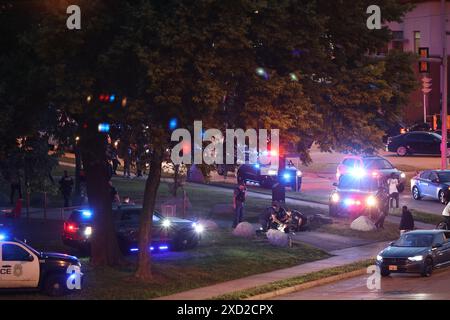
[19, 268]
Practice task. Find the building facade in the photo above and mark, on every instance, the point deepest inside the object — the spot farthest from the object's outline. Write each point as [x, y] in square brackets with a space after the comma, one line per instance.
[421, 27]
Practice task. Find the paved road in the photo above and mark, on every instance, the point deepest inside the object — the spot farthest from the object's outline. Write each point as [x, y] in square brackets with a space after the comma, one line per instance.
[402, 287]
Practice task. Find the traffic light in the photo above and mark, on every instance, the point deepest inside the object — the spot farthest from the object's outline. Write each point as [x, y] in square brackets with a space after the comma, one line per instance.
[424, 66]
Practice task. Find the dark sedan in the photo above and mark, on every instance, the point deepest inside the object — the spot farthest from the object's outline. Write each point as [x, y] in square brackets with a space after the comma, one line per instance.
[418, 251]
[431, 183]
[418, 142]
[168, 233]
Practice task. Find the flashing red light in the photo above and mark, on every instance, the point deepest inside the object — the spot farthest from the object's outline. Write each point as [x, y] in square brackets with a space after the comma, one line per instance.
[70, 227]
[102, 97]
[107, 98]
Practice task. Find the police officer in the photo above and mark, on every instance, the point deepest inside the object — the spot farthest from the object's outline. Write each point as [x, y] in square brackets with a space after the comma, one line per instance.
[238, 203]
[65, 186]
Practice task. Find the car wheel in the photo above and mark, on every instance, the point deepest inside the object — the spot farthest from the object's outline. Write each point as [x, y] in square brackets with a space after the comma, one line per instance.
[427, 268]
[441, 196]
[385, 273]
[402, 151]
[416, 193]
[55, 285]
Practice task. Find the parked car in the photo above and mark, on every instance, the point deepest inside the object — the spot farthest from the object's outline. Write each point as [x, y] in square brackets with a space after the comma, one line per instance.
[370, 165]
[24, 268]
[418, 251]
[431, 183]
[354, 196]
[168, 233]
[266, 175]
[418, 142]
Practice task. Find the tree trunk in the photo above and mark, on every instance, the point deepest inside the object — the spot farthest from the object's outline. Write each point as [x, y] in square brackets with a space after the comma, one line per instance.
[104, 246]
[144, 271]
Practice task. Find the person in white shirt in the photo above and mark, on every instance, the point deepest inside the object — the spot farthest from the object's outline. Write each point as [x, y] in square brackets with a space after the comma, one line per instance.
[446, 213]
[393, 190]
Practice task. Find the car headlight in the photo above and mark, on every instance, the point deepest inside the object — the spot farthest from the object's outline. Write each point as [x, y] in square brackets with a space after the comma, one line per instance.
[272, 172]
[198, 228]
[299, 173]
[371, 201]
[166, 223]
[88, 231]
[416, 258]
[402, 175]
[379, 258]
[335, 197]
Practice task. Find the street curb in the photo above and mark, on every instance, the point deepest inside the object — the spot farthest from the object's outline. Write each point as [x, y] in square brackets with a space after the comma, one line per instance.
[308, 285]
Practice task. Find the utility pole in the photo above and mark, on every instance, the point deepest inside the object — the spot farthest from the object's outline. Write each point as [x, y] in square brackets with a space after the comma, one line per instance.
[444, 85]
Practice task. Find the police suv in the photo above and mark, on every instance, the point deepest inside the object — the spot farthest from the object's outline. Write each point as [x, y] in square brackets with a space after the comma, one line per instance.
[24, 268]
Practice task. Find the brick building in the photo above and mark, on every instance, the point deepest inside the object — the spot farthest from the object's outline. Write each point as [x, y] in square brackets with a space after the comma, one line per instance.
[421, 27]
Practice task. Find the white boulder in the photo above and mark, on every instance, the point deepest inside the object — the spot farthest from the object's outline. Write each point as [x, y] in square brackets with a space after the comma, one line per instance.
[363, 223]
[278, 238]
[244, 230]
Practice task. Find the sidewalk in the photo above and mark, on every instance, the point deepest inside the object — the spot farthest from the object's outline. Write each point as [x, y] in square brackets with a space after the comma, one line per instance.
[341, 257]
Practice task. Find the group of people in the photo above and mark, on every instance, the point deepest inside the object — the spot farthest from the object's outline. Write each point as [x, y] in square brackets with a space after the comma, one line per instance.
[274, 217]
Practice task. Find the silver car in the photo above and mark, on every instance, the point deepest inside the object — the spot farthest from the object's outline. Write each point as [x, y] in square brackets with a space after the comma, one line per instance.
[431, 183]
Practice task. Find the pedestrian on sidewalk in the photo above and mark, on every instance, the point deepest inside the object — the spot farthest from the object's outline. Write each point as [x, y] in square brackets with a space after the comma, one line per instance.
[407, 221]
[238, 203]
[393, 191]
[65, 186]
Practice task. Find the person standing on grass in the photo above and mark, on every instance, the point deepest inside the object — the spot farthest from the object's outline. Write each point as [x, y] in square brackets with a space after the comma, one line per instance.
[65, 186]
[238, 203]
[407, 221]
[383, 206]
[393, 190]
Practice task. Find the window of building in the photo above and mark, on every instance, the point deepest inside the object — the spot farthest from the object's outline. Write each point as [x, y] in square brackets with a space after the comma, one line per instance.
[416, 41]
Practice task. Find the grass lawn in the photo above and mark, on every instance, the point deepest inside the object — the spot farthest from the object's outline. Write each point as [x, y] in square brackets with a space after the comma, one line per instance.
[277, 285]
[219, 257]
[341, 226]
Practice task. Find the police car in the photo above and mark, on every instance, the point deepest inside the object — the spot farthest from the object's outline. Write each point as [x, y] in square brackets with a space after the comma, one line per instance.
[24, 268]
[355, 195]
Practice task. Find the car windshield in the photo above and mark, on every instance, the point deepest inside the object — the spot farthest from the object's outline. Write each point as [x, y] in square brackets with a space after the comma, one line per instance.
[444, 176]
[436, 135]
[414, 240]
[377, 164]
[358, 183]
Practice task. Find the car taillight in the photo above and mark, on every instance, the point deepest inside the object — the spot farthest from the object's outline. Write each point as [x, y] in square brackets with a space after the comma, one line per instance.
[70, 227]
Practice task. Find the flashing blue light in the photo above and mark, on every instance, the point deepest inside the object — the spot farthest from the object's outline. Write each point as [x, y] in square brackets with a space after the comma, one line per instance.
[112, 98]
[348, 202]
[2, 236]
[357, 172]
[103, 127]
[163, 247]
[173, 123]
[257, 166]
[134, 249]
[287, 176]
[86, 214]
[151, 248]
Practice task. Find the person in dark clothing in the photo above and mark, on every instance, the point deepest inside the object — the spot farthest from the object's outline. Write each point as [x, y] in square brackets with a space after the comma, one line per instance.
[383, 206]
[407, 220]
[295, 220]
[114, 160]
[238, 203]
[14, 180]
[278, 192]
[115, 198]
[266, 218]
[65, 186]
